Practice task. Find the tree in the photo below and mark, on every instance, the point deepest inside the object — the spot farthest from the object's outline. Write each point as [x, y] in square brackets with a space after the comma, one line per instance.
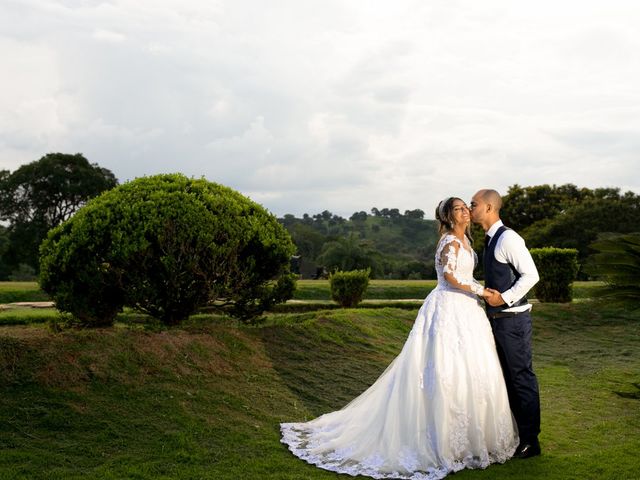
[566, 216]
[417, 213]
[288, 220]
[4, 246]
[349, 253]
[580, 225]
[307, 240]
[524, 206]
[416, 270]
[617, 262]
[167, 245]
[41, 195]
[359, 216]
[390, 243]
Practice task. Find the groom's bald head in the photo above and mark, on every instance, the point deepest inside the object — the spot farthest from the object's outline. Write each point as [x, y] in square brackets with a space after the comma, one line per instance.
[491, 197]
[485, 207]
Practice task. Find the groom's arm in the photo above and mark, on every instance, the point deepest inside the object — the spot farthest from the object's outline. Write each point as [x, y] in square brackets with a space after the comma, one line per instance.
[512, 249]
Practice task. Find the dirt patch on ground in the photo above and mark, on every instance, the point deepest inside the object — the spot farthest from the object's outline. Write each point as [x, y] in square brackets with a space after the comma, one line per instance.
[6, 306]
[26, 332]
[185, 353]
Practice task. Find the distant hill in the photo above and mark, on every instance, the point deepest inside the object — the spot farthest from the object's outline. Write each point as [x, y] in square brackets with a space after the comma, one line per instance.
[398, 245]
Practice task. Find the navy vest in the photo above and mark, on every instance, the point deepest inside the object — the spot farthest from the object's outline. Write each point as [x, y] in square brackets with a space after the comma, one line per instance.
[497, 275]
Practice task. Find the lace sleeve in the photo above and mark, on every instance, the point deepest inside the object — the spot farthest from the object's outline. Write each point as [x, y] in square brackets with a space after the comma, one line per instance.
[449, 261]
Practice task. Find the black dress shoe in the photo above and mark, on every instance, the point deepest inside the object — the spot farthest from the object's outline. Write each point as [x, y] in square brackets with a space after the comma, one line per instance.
[527, 450]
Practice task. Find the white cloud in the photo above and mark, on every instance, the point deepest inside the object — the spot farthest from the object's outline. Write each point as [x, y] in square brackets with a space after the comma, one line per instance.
[108, 36]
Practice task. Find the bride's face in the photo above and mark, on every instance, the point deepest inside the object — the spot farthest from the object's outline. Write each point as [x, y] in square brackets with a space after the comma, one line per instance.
[460, 212]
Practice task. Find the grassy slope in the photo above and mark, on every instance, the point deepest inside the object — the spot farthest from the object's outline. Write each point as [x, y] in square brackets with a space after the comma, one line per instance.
[205, 401]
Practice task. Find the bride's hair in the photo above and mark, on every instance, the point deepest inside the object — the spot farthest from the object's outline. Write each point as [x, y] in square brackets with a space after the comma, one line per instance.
[444, 215]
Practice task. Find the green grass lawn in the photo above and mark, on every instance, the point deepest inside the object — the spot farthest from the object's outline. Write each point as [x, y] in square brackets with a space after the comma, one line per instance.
[306, 290]
[21, 292]
[402, 289]
[204, 401]
[378, 289]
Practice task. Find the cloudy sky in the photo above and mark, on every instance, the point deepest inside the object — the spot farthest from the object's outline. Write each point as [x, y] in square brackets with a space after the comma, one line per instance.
[307, 105]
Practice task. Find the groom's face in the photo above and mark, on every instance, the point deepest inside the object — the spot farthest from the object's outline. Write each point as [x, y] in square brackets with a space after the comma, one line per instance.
[478, 208]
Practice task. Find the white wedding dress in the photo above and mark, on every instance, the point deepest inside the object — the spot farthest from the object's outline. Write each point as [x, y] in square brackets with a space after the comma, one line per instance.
[439, 407]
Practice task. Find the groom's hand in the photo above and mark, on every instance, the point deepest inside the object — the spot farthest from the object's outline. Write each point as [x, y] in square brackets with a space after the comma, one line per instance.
[494, 298]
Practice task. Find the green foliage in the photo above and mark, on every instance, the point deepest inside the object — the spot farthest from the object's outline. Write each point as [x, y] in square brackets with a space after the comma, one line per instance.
[23, 273]
[347, 288]
[617, 262]
[307, 239]
[166, 245]
[41, 195]
[5, 240]
[558, 268]
[524, 206]
[578, 224]
[392, 245]
[350, 253]
[249, 303]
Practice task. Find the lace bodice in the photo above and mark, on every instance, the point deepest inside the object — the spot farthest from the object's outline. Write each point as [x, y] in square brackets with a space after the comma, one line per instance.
[455, 264]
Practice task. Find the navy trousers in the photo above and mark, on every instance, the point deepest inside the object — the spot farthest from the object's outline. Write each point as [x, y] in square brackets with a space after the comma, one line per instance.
[513, 342]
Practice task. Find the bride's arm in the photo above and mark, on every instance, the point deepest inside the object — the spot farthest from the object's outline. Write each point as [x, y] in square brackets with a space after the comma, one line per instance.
[449, 260]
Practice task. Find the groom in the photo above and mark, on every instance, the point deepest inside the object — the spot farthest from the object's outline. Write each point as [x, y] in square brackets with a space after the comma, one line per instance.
[510, 273]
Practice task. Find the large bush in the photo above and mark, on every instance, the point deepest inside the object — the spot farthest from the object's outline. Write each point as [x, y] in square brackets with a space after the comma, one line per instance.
[347, 288]
[167, 245]
[558, 268]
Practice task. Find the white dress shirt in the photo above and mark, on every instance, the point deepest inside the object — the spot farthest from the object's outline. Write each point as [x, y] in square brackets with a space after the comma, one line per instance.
[511, 249]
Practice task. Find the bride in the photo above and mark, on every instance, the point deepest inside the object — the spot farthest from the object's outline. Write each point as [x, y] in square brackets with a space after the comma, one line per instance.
[441, 405]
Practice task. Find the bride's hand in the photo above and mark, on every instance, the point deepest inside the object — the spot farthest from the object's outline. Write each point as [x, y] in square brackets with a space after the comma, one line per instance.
[487, 292]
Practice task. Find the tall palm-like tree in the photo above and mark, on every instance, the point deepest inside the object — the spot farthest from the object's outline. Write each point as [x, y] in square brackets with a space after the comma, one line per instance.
[617, 262]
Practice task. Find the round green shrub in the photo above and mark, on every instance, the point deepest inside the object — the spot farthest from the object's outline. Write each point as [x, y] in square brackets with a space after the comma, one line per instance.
[558, 268]
[348, 288]
[167, 245]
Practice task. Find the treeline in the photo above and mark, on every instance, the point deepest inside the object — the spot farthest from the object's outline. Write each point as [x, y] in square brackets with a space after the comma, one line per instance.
[390, 243]
[393, 244]
[566, 216]
[396, 245]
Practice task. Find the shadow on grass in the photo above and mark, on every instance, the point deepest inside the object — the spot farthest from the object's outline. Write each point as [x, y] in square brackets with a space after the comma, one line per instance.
[633, 395]
[329, 360]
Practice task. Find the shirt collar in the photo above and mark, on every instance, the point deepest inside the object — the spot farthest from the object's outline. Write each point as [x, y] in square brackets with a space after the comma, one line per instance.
[494, 228]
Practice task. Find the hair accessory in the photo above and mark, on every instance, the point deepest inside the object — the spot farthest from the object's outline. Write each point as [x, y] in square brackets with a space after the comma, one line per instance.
[441, 207]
